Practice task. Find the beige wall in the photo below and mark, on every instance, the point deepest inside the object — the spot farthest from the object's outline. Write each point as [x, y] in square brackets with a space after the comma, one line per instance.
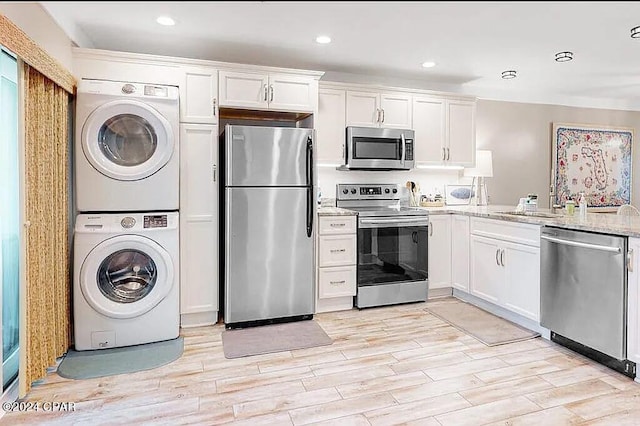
[36, 22]
[519, 135]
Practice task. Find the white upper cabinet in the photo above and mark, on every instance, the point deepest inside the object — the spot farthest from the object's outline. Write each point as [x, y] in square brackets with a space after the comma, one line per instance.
[374, 109]
[199, 95]
[363, 109]
[279, 92]
[330, 126]
[445, 131]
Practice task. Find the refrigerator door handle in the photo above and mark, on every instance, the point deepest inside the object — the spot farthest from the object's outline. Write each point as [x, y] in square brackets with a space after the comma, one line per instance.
[309, 187]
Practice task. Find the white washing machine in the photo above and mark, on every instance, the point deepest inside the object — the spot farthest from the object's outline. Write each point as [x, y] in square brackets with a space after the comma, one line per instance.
[125, 279]
[126, 147]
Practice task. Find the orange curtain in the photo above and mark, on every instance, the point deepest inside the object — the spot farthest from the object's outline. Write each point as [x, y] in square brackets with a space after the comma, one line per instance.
[48, 285]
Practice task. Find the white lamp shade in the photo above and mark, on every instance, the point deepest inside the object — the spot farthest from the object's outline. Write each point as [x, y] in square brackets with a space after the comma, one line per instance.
[484, 165]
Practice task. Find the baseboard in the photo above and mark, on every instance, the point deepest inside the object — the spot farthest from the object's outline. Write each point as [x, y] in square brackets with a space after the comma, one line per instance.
[503, 313]
[334, 304]
[198, 319]
[440, 292]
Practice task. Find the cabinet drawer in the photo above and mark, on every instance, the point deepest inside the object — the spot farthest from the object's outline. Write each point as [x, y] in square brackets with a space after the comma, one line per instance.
[337, 282]
[337, 225]
[520, 233]
[337, 250]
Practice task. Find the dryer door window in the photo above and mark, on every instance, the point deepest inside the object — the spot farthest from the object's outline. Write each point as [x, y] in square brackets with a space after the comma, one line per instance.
[126, 276]
[127, 140]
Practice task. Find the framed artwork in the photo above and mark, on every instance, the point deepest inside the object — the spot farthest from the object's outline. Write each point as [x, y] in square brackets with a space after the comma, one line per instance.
[459, 195]
[595, 160]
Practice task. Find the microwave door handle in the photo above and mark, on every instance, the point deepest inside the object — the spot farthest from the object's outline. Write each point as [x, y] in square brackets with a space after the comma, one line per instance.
[404, 145]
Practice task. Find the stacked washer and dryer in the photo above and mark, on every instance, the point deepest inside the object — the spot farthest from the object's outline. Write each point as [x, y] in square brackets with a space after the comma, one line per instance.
[126, 242]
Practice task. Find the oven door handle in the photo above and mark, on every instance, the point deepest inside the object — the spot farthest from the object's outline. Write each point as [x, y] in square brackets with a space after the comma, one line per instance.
[372, 223]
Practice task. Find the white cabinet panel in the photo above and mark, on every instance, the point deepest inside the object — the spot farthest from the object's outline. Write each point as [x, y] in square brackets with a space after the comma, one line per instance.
[337, 225]
[395, 110]
[522, 283]
[337, 282]
[292, 93]
[461, 133]
[198, 96]
[363, 109]
[337, 250]
[198, 219]
[487, 275]
[244, 90]
[633, 317]
[330, 126]
[429, 127]
[439, 251]
[460, 252]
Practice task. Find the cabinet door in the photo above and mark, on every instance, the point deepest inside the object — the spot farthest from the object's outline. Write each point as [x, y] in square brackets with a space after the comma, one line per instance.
[439, 251]
[460, 252]
[522, 280]
[292, 93]
[244, 90]
[633, 299]
[429, 126]
[461, 133]
[199, 96]
[396, 110]
[198, 218]
[330, 126]
[487, 275]
[363, 109]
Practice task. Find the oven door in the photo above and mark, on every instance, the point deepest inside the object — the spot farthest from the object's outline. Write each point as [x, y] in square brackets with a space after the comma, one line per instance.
[371, 148]
[392, 260]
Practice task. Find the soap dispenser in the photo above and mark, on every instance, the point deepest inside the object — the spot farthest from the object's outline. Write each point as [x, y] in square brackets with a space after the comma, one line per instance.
[582, 201]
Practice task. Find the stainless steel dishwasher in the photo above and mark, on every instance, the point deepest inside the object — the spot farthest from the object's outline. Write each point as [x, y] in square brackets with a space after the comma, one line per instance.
[583, 293]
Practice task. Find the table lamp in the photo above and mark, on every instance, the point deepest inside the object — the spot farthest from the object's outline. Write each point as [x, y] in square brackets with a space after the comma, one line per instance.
[483, 169]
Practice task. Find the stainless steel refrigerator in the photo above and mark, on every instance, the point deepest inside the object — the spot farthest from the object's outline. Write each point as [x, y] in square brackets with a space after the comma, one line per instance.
[269, 203]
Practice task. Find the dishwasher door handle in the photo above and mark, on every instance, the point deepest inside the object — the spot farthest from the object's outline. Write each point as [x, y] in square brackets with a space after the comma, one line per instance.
[582, 245]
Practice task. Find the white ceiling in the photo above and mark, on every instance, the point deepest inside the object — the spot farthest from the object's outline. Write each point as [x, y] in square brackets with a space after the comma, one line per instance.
[472, 43]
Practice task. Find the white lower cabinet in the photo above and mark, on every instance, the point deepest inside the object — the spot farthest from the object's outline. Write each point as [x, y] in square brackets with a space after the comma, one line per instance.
[460, 252]
[439, 251]
[198, 224]
[633, 298]
[504, 272]
[336, 277]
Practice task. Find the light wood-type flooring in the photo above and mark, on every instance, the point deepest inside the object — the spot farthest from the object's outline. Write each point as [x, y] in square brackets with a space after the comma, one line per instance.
[391, 365]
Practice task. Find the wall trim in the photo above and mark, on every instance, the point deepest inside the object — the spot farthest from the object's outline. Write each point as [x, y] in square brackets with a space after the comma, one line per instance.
[16, 40]
[337, 85]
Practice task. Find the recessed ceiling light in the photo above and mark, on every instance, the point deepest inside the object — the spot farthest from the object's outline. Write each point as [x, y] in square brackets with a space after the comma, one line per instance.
[509, 74]
[564, 56]
[428, 64]
[635, 32]
[323, 39]
[165, 20]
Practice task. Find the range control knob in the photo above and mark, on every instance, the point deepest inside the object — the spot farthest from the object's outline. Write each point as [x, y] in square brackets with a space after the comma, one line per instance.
[395, 190]
[386, 191]
[353, 190]
[345, 191]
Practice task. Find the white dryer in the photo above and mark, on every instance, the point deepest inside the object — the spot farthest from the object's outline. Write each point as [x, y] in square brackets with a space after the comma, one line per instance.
[126, 147]
[125, 279]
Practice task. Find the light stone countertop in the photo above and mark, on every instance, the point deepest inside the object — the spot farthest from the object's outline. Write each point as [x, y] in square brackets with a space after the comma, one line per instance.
[606, 223]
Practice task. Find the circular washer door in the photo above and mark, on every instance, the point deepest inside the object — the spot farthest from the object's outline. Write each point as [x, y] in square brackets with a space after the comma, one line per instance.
[127, 140]
[126, 276]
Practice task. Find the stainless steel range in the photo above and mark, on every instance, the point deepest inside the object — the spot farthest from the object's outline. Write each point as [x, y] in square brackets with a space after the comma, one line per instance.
[392, 245]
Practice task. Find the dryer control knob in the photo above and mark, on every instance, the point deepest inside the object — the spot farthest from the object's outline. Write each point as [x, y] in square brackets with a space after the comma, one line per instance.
[128, 89]
[128, 222]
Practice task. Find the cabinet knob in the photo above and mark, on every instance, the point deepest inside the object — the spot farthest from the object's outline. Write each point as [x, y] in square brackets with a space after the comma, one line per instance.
[266, 92]
[215, 102]
[271, 91]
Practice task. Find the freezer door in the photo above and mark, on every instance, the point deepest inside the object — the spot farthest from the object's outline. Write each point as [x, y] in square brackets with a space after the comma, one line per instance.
[269, 264]
[267, 156]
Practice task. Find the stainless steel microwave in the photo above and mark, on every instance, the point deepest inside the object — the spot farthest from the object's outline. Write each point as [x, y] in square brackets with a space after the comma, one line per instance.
[368, 148]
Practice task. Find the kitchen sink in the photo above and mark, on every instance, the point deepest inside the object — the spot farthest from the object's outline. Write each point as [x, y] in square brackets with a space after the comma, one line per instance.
[532, 214]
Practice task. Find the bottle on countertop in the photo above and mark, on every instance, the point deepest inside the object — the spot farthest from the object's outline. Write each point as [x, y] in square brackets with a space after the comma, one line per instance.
[582, 205]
